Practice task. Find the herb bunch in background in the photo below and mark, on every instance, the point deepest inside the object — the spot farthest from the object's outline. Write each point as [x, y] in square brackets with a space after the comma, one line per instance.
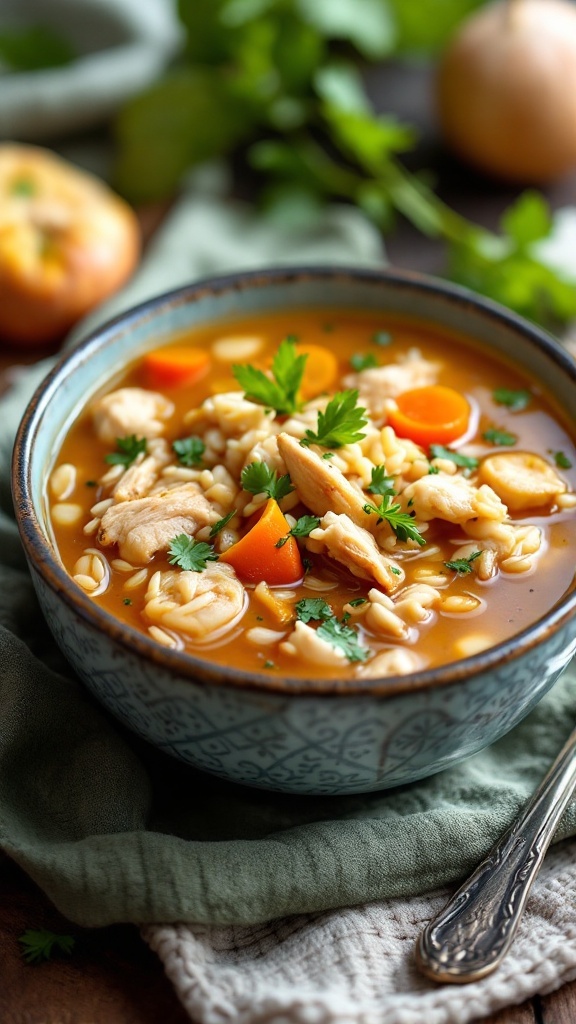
[278, 84]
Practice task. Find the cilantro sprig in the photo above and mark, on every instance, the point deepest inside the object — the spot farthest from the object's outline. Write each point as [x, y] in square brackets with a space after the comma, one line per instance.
[258, 478]
[190, 554]
[499, 437]
[562, 461]
[128, 450]
[463, 566]
[438, 451]
[40, 944]
[380, 482]
[337, 633]
[341, 423]
[280, 393]
[514, 400]
[189, 450]
[402, 523]
[302, 528]
[363, 361]
[313, 609]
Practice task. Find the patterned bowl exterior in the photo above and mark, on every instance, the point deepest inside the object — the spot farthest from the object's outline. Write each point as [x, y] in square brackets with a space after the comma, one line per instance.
[292, 735]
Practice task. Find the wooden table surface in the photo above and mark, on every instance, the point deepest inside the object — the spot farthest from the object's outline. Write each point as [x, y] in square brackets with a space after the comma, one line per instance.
[112, 977]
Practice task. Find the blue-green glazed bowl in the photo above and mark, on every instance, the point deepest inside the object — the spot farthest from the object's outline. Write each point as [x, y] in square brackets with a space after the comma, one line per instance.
[292, 735]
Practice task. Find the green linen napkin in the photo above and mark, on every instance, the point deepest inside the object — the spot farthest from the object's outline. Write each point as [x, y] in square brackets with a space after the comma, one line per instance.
[114, 831]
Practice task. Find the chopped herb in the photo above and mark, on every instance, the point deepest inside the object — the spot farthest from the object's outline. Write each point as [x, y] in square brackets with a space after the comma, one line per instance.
[189, 450]
[307, 563]
[344, 638]
[23, 187]
[346, 617]
[313, 608]
[39, 945]
[562, 460]
[401, 522]
[341, 422]
[380, 482]
[269, 664]
[328, 455]
[357, 602]
[302, 527]
[463, 565]
[360, 361]
[215, 529]
[129, 448]
[499, 437]
[190, 554]
[127, 600]
[258, 478]
[438, 451]
[395, 570]
[281, 393]
[432, 470]
[91, 483]
[382, 338]
[515, 400]
[259, 618]
[410, 502]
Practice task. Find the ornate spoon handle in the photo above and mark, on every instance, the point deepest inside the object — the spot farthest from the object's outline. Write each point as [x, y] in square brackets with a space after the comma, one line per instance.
[472, 934]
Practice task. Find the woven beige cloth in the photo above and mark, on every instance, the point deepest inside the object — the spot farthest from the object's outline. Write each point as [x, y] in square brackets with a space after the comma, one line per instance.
[356, 966]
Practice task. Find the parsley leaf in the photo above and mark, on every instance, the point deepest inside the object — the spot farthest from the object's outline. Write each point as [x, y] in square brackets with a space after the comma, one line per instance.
[357, 602]
[216, 527]
[463, 565]
[129, 448]
[258, 478]
[344, 638]
[363, 361]
[39, 945]
[438, 451]
[499, 437]
[402, 523]
[281, 393]
[189, 450]
[515, 400]
[562, 460]
[190, 554]
[313, 608]
[302, 527]
[341, 422]
[380, 482]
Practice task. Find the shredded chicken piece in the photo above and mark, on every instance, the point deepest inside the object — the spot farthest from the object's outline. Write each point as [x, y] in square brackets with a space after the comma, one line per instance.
[200, 604]
[320, 486]
[397, 661]
[341, 539]
[521, 479]
[378, 384]
[505, 539]
[452, 498]
[141, 476]
[130, 411]
[146, 525]
[414, 606]
[304, 643]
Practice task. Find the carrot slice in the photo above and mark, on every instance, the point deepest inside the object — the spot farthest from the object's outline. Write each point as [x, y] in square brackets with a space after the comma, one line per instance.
[320, 371]
[255, 557]
[430, 415]
[176, 365]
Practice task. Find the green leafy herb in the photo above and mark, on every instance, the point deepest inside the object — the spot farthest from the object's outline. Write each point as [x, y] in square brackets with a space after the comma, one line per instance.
[438, 451]
[363, 361]
[357, 602]
[562, 460]
[190, 554]
[382, 338]
[380, 482]
[302, 527]
[34, 48]
[344, 638]
[463, 565]
[499, 437]
[189, 450]
[341, 422]
[127, 601]
[395, 570]
[23, 187]
[258, 478]
[328, 455]
[217, 527]
[402, 523]
[313, 608]
[280, 393]
[129, 448]
[40, 945]
[269, 664]
[433, 470]
[515, 400]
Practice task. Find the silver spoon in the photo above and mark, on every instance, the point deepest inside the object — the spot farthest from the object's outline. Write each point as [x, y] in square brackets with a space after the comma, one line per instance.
[470, 937]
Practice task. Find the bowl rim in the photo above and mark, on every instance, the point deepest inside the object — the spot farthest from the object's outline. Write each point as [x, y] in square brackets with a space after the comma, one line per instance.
[196, 669]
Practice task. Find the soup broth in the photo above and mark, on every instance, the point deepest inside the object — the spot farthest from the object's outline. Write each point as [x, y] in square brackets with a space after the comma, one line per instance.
[320, 494]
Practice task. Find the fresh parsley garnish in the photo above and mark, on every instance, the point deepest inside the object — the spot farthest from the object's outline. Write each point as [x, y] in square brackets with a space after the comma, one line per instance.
[190, 554]
[302, 527]
[433, 470]
[380, 482]
[129, 448]
[281, 393]
[402, 523]
[463, 565]
[215, 529]
[515, 400]
[395, 570]
[127, 601]
[269, 664]
[258, 478]
[313, 608]
[344, 638]
[499, 437]
[189, 450]
[381, 338]
[363, 361]
[39, 945]
[341, 422]
[357, 602]
[438, 451]
[562, 460]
